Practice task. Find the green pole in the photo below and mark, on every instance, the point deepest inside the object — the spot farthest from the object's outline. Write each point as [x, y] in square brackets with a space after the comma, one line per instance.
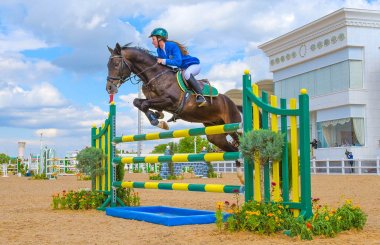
[112, 118]
[285, 159]
[248, 126]
[305, 153]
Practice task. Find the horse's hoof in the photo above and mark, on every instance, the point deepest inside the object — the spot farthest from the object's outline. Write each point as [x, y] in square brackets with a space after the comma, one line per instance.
[159, 114]
[154, 122]
[163, 125]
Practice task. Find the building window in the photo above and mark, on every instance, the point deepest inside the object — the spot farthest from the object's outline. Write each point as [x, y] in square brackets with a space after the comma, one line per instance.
[334, 78]
[341, 132]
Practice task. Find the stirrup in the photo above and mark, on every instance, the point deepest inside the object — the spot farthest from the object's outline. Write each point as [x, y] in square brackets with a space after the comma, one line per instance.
[201, 100]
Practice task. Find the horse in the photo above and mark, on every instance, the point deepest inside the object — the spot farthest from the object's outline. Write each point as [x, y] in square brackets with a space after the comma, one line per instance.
[162, 92]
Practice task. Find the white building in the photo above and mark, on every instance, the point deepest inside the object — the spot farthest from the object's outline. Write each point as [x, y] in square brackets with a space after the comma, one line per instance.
[337, 59]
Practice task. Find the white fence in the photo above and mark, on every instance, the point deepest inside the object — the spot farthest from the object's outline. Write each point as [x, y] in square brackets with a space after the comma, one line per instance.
[333, 166]
[346, 166]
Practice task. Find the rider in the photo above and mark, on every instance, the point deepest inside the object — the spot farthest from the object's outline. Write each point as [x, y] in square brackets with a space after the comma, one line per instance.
[172, 53]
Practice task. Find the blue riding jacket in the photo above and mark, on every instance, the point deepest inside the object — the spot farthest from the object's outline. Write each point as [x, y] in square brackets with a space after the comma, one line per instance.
[174, 57]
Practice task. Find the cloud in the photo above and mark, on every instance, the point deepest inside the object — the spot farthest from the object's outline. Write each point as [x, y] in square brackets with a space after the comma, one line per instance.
[14, 97]
[47, 132]
[17, 40]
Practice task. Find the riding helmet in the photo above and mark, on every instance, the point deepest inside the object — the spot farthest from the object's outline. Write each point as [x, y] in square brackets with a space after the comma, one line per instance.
[161, 32]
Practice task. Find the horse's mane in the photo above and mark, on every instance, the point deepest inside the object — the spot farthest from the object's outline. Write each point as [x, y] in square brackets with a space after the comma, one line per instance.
[149, 54]
[144, 50]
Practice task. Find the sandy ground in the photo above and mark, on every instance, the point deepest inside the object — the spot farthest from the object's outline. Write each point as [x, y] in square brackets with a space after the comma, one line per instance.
[27, 218]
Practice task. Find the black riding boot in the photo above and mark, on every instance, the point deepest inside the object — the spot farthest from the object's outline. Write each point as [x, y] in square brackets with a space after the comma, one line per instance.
[200, 99]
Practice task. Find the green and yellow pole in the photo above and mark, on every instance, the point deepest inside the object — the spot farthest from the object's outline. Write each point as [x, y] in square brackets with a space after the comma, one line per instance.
[305, 154]
[247, 122]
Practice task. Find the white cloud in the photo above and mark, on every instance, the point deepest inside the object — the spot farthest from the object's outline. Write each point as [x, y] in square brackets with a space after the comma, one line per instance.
[18, 40]
[16, 97]
[47, 132]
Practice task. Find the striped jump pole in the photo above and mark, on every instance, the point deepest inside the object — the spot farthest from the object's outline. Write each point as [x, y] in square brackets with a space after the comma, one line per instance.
[180, 186]
[200, 157]
[210, 130]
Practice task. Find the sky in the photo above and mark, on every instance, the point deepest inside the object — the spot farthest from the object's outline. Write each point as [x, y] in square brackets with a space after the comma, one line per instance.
[53, 57]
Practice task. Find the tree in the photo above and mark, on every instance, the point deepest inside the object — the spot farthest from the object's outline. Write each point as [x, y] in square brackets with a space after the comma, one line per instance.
[263, 144]
[89, 161]
[186, 145]
[162, 147]
[4, 158]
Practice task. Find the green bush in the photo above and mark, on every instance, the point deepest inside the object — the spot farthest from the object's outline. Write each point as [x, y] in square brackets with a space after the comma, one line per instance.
[155, 177]
[39, 177]
[75, 200]
[263, 142]
[129, 196]
[89, 161]
[269, 218]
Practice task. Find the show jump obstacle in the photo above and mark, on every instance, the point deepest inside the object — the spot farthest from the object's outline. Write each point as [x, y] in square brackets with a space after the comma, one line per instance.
[298, 197]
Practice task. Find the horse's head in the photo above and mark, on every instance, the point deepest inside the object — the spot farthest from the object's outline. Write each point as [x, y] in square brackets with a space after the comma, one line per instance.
[118, 69]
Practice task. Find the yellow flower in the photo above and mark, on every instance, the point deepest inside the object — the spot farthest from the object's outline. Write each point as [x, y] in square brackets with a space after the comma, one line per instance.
[219, 205]
[348, 201]
[230, 211]
[280, 206]
[279, 212]
[339, 217]
[327, 218]
[270, 215]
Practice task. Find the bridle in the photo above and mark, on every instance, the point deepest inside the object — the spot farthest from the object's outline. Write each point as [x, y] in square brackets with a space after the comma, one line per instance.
[120, 78]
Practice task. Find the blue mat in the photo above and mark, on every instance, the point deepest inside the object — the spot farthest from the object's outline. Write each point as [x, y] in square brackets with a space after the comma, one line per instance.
[163, 215]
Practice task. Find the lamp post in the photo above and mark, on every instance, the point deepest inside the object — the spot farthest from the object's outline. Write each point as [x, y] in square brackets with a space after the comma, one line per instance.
[41, 161]
[195, 144]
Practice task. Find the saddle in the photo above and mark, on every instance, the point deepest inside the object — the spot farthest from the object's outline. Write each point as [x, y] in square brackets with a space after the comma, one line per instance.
[207, 89]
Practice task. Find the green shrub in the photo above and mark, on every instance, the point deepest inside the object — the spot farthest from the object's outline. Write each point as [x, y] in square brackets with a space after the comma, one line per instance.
[39, 177]
[75, 200]
[155, 177]
[129, 196]
[270, 218]
[263, 142]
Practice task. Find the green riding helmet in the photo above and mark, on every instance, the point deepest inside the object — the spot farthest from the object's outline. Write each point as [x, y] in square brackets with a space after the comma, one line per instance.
[159, 32]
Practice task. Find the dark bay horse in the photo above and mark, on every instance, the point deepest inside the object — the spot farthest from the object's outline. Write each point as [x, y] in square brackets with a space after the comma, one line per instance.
[162, 93]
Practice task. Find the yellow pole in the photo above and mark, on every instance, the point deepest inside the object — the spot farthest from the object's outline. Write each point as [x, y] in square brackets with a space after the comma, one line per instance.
[275, 164]
[256, 126]
[103, 139]
[294, 151]
[109, 164]
[97, 182]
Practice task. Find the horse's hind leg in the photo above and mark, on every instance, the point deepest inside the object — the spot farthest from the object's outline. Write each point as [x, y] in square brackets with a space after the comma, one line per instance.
[221, 141]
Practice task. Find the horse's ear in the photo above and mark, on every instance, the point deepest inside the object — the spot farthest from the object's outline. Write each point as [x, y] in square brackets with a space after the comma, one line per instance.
[110, 49]
[118, 48]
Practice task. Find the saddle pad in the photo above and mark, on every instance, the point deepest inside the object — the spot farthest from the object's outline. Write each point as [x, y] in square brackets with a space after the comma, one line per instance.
[205, 90]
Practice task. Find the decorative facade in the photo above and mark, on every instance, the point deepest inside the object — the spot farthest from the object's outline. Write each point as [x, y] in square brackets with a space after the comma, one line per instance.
[337, 59]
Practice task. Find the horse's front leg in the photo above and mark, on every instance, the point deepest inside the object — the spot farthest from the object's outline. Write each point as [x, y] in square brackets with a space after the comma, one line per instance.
[158, 104]
[143, 106]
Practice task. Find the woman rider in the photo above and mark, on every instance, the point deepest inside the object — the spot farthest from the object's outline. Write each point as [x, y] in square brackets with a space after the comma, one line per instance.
[175, 54]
